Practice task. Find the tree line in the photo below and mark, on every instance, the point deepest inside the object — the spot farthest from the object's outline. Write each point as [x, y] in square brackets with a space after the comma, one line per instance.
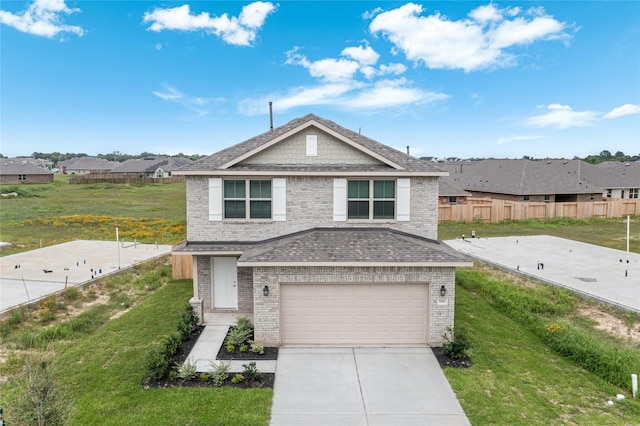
[55, 157]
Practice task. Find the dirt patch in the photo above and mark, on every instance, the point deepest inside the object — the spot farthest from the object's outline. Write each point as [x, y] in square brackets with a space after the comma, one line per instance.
[612, 324]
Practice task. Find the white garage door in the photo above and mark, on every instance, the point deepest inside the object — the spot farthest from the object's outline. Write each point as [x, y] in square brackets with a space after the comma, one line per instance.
[354, 314]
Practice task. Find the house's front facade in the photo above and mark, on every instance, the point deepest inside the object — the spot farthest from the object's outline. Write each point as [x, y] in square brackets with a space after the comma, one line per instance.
[325, 236]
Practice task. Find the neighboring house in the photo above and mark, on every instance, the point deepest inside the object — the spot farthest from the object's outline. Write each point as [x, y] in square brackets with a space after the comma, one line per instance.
[165, 168]
[86, 165]
[550, 181]
[325, 236]
[151, 167]
[627, 179]
[16, 170]
[449, 193]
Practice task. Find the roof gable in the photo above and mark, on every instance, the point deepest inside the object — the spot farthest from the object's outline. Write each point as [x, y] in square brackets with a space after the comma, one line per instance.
[240, 154]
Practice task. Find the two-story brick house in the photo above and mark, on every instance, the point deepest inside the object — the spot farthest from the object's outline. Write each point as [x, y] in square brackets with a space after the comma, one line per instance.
[327, 237]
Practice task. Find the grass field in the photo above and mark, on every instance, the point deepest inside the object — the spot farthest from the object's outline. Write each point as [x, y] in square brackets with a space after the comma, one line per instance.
[59, 212]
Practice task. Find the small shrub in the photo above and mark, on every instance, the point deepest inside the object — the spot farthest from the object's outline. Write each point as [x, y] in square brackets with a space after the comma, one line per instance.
[244, 348]
[238, 378]
[187, 370]
[173, 374]
[220, 373]
[256, 347]
[47, 316]
[251, 371]
[230, 347]
[155, 364]
[71, 293]
[190, 318]
[90, 295]
[456, 343]
[171, 346]
[204, 377]
[244, 323]
[38, 398]
[184, 330]
[238, 336]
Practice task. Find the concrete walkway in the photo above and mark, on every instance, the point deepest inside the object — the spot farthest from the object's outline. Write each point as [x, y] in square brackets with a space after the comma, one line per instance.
[362, 386]
[206, 349]
[595, 272]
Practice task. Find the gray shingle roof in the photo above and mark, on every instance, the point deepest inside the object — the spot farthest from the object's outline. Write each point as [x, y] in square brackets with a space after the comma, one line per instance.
[339, 246]
[627, 174]
[92, 163]
[526, 177]
[218, 160]
[14, 167]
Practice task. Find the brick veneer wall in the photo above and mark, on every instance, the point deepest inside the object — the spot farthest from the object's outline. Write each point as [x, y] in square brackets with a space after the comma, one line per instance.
[266, 310]
[309, 205]
[39, 178]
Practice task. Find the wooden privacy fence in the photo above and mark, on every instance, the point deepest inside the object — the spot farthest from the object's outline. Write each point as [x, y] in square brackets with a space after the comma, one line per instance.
[489, 210]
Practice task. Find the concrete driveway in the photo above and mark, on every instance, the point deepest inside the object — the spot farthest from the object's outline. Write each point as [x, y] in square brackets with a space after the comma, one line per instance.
[362, 386]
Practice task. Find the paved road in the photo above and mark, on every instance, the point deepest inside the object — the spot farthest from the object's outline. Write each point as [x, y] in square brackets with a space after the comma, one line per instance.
[597, 272]
[22, 276]
[362, 386]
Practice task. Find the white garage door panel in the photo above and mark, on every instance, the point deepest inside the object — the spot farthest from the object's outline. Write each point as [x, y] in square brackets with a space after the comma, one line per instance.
[354, 314]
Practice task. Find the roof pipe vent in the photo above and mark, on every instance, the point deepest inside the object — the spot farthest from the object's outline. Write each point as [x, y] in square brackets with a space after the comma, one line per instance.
[270, 115]
[408, 150]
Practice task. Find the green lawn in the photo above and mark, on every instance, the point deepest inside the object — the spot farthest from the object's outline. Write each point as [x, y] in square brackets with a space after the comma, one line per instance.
[103, 372]
[517, 380]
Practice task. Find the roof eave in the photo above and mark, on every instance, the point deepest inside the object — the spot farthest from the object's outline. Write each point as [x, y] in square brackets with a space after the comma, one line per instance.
[306, 173]
[357, 264]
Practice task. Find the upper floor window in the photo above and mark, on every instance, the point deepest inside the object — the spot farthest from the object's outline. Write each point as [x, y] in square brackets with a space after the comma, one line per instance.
[371, 199]
[247, 199]
[633, 193]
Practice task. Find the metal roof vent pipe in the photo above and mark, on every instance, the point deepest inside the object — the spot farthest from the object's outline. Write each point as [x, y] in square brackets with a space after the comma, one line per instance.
[270, 115]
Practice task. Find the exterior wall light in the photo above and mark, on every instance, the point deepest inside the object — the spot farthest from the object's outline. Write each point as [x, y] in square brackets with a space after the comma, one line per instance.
[443, 291]
[265, 290]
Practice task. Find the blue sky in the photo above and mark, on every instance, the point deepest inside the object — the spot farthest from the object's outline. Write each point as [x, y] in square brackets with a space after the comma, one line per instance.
[465, 79]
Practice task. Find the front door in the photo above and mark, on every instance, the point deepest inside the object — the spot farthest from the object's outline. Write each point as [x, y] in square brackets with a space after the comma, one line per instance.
[225, 283]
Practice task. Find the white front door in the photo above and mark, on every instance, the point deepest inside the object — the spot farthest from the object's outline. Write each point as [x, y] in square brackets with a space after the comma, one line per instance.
[225, 282]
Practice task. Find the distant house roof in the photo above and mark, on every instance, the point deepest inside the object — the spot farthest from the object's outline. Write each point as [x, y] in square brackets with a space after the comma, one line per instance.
[627, 173]
[448, 189]
[338, 247]
[390, 159]
[92, 163]
[151, 164]
[526, 177]
[9, 166]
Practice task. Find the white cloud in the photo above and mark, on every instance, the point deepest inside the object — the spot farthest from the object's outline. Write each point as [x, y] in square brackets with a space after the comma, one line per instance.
[239, 31]
[390, 93]
[627, 109]
[471, 44]
[158, 46]
[364, 55]
[563, 117]
[42, 18]
[516, 138]
[196, 105]
[349, 95]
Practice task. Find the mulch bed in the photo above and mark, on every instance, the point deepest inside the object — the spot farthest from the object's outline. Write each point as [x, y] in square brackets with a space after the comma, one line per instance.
[446, 361]
[265, 380]
[269, 354]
